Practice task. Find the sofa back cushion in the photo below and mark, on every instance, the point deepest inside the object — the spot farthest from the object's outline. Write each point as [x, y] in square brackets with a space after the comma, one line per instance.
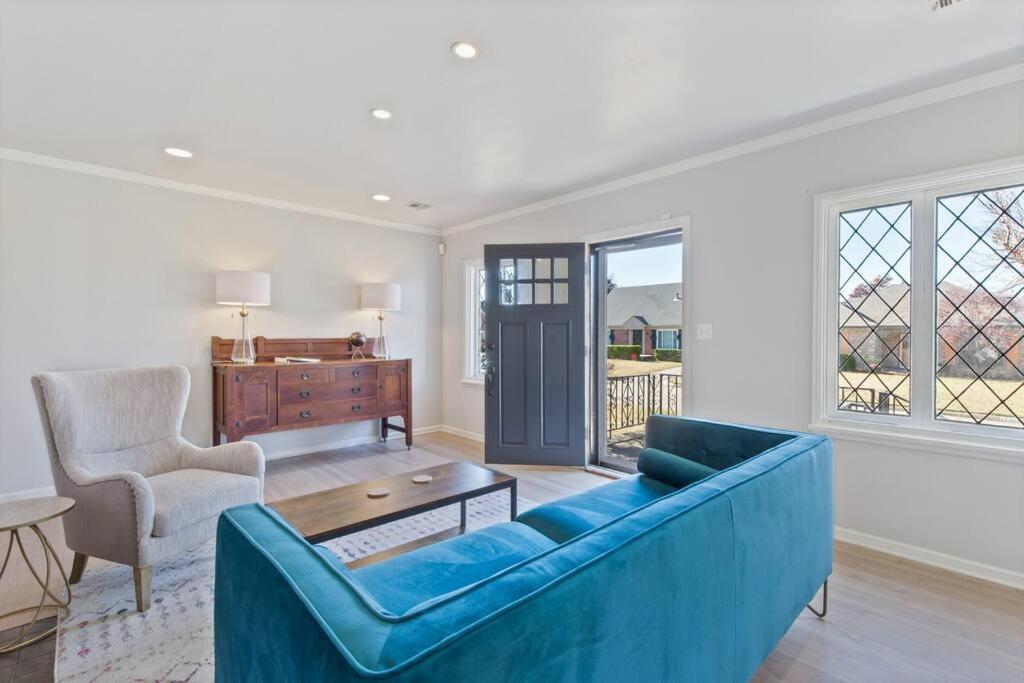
[716, 445]
[98, 411]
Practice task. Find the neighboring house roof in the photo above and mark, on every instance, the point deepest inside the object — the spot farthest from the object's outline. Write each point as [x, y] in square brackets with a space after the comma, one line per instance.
[646, 305]
[889, 305]
[874, 309]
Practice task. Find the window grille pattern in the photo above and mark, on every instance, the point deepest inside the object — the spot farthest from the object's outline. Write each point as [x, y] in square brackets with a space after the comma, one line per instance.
[979, 307]
[874, 298]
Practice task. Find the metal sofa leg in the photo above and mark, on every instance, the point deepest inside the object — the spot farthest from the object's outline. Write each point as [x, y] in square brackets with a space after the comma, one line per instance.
[824, 602]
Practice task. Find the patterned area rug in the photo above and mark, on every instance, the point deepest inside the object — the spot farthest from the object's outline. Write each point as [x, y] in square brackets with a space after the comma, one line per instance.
[105, 639]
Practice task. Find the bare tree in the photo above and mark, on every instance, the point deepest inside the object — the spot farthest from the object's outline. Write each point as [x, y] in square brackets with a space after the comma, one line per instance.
[1006, 208]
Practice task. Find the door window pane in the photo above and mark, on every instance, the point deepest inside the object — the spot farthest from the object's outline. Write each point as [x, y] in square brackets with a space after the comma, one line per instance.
[507, 294]
[561, 268]
[874, 310]
[506, 270]
[524, 294]
[561, 292]
[525, 268]
[543, 268]
[542, 291]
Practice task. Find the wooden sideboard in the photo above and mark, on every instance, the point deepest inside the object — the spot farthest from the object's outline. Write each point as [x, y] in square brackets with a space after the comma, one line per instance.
[276, 397]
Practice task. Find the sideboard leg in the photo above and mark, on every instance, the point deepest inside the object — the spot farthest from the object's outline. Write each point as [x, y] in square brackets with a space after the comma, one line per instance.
[383, 429]
[408, 433]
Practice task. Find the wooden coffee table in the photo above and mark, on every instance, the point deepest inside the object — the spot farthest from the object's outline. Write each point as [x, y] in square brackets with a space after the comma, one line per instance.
[344, 510]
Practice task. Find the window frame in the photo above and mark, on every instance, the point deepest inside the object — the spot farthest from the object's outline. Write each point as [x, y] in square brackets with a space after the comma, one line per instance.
[472, 371]
[921, 428]
[674, 332]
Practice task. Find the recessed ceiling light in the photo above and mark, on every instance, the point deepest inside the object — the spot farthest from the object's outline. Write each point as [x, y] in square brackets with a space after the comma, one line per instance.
[382, 114]
[465, 50]
[381, 198]
[178, 152]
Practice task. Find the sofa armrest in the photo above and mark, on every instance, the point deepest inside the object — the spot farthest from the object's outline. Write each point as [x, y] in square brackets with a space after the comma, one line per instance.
[239, 457]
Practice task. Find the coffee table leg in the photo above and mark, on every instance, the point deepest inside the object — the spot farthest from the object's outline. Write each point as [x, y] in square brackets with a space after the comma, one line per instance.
[515, 499]
[462, 516]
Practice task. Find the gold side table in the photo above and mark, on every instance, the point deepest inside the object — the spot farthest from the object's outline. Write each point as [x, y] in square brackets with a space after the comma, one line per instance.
[29, 514]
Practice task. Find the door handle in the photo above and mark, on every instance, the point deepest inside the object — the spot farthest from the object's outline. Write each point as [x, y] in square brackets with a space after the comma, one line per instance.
[303, 394]
[357, 390]
[305, 414]
[356, 408]
[304, 376]
[489, 380]
[355, 373]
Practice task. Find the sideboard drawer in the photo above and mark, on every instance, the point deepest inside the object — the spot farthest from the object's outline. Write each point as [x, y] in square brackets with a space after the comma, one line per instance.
[355, 372]
[295, 394]
[302, 376]
[333, 411]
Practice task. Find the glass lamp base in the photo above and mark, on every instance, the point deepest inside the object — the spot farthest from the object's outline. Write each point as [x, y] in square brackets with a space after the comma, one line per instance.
[242, 351]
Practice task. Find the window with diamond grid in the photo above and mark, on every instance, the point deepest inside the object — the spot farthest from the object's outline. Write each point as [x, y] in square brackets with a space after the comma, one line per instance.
[874, 309]
[979, 308]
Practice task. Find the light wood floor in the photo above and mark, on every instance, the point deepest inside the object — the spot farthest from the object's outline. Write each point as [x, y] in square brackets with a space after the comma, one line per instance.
[888, 620]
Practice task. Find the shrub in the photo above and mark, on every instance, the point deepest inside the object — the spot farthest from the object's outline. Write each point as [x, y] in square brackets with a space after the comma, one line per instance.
[669, 355]
[623, 351]
[847, 363]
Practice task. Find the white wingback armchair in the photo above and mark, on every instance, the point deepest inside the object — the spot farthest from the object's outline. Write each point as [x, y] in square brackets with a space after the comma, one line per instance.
[143, 493]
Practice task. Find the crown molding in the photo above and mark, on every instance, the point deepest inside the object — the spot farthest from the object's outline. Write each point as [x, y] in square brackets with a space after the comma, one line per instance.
[192, 188]
[986, 81]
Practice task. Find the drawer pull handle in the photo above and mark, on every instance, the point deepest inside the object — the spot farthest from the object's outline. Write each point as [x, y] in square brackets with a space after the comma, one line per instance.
[305, 414]
[303, 394]
[355, 373]
[356, 408]
[304, 376]
[357, 390]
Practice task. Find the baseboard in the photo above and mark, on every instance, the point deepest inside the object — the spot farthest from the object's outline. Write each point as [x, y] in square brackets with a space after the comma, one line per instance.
[932, 558]
[27, 493]
[463, 433]
[346, 443]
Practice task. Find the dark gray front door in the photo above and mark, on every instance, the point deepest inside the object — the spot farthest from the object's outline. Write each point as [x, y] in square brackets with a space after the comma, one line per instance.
[536, 374]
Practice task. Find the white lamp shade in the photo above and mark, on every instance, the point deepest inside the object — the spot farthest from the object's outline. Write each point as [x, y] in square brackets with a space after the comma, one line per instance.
[381, 296]
[237, 287]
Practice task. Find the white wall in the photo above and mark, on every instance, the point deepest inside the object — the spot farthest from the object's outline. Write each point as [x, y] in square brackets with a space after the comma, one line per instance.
[751, 271]
[103, 273]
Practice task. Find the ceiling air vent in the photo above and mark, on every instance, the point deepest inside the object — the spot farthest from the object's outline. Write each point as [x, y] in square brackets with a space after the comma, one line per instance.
[419, 206]
[942, 4]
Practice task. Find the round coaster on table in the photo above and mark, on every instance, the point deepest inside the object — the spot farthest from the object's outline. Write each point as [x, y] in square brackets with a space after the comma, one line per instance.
[380, 492]
[422, 479]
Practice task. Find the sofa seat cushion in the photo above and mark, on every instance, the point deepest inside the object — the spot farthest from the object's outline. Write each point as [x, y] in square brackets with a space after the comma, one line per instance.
[403, 582]
[671, 469]
[183, 497]
[565, 519]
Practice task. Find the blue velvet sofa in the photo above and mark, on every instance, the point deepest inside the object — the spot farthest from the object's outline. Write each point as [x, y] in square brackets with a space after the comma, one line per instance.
[664, 576]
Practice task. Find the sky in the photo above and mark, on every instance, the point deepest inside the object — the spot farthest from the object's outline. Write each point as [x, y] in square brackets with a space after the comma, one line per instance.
[647, 266]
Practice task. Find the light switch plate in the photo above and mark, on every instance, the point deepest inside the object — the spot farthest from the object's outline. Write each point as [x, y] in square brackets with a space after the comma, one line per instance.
[703, 331]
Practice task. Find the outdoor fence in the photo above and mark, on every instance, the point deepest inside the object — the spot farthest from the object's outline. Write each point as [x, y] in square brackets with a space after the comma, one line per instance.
[633, 398]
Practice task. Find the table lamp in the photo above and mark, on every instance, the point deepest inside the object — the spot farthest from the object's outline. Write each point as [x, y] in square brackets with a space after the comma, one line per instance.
[243, 288]
[380, 297]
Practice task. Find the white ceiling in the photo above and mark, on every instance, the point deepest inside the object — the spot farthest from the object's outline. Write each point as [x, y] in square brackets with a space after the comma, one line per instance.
[273, 97]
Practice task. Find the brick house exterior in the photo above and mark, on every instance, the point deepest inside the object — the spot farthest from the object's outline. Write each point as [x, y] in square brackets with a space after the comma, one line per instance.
[649, 316]
[885, 309]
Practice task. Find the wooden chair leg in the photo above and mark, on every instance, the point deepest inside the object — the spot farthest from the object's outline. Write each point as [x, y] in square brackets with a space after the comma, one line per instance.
[142, 580]
[77, 567]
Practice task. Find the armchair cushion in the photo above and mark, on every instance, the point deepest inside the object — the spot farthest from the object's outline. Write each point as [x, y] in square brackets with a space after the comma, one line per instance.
[183, 497]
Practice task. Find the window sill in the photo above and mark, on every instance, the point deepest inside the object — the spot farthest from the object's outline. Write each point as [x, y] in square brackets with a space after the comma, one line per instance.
[473, 382]
[994, 448]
